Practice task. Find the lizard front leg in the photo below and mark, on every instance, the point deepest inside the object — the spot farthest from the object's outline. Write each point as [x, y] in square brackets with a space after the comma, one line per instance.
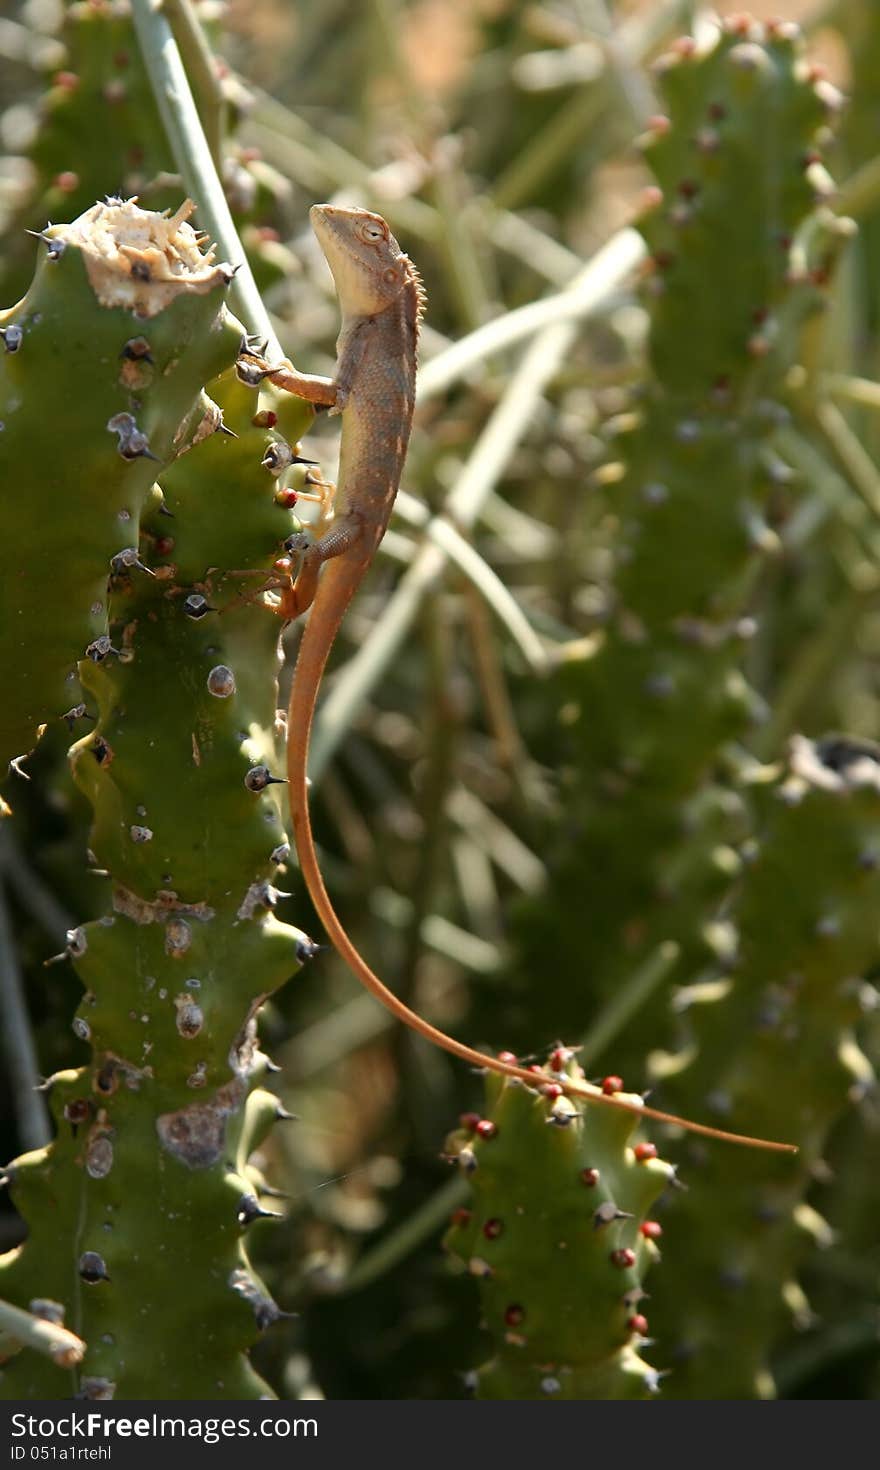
[253, 369]
[332, 393]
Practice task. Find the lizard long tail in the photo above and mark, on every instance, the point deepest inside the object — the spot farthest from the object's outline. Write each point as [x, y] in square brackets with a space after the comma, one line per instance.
[310, 667]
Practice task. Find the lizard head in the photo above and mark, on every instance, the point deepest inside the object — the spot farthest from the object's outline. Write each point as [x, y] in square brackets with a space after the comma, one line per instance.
[368, 265]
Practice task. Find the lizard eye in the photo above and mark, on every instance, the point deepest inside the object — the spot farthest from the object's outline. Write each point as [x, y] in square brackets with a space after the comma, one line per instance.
[372, 231]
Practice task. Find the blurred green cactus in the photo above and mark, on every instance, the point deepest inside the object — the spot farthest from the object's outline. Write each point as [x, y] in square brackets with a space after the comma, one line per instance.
[558, 1239]
[734, 239]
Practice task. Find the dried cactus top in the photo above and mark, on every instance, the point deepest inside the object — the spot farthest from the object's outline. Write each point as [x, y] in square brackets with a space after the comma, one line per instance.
[140, 260]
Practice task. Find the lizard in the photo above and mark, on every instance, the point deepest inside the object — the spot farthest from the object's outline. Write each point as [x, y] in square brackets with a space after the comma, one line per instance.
[382, 302]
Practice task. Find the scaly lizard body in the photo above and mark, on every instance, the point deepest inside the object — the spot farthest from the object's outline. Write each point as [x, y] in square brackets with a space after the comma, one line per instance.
[381, 299]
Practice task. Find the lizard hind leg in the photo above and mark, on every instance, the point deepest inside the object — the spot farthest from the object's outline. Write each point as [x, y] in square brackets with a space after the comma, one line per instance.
[299, 596]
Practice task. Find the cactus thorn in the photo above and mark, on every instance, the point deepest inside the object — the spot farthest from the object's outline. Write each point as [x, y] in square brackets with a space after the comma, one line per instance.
[259, 777]
[250, 1209]
[607, 1213]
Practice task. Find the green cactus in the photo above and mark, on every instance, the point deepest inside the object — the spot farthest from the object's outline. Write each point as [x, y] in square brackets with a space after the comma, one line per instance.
[103, 365]
[148, 1175]
[558, 1240]
[774, 1051]
[648, 851]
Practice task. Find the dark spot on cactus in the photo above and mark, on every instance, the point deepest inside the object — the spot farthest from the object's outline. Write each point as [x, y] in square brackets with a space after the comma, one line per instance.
[623, 1258]
[259, 777]
[766, 1213]
[514, 1315]
[101, 750]
[552, 1091]
[99, 1155]
[590, 1177]
[486, 1129]
[178, 937]
[12, 337]
[137, 349]
[92, 1268]
[125, 560]
[196, 1135]
[96, 1388]
[77, 712]
[644, 1151]
[131, 443]
[638, 1324]
[107, 1078]
[221, 682]
[651, 1229]
[195, 606]
[77, 1111]
[460, 1218]
[190, 1017]
[100, 649]
[493, 1228]
[265, 1310]
[612, 1084]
